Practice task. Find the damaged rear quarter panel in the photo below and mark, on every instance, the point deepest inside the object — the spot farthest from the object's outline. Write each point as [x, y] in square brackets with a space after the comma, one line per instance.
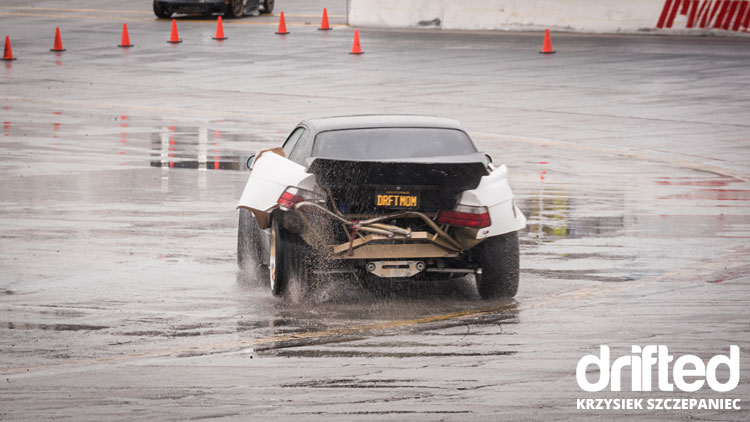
[494, 193]
[270, 177]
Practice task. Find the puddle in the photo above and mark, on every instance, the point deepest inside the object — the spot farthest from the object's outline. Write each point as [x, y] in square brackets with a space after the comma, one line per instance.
[712, 195]
[552, 214]
[713, 182]
[288, 353]
[343, 325]
[201, 165]
[64, 313]
[361, 383]
[202, 148]
[576, 275]
[51, 327]
[576, 228]
[708, 188]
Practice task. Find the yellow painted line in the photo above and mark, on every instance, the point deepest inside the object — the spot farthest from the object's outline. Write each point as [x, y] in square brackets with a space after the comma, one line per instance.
[357, 329]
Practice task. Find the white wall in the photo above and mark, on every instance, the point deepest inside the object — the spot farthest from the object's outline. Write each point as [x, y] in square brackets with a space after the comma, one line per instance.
[601, 16]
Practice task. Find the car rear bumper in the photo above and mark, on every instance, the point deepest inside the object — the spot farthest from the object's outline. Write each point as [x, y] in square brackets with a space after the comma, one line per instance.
[374, 246]
[378, 247]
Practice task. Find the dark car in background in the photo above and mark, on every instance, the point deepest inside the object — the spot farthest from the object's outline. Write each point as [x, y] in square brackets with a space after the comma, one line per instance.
[229, 8]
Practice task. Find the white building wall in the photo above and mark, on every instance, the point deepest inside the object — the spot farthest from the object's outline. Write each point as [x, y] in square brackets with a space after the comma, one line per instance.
[718, 17]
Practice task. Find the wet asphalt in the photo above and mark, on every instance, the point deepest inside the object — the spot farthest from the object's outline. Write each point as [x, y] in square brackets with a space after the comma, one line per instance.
[120, 297]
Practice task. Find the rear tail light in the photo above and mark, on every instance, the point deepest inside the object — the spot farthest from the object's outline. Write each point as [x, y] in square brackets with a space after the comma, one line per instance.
[465, 216]
[292, 196]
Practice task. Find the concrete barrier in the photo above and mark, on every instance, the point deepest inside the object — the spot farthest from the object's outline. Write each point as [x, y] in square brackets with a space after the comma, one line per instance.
[678, 17]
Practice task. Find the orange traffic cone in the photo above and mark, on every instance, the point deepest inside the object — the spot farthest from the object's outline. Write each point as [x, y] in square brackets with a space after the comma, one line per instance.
[324, 26]
[547, 44]
[174, 38]
[8, 50]
[58, 41]
[282, 25]
[356, 49]
[220, 31]
[125, 37]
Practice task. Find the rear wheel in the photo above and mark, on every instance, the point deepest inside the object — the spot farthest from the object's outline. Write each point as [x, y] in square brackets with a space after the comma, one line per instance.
[277, 268]
[290, 264]
[268, 6]
[249, 251]
[286, 259]
[161, 10]
[236, 9]
[499, 259]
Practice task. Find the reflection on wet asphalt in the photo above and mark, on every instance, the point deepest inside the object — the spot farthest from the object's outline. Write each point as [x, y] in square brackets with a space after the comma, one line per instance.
[578, 231]
[177, 219]
[197, 148]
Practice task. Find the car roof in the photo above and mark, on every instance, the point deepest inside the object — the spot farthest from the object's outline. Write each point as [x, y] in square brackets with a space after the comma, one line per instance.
[379, 121]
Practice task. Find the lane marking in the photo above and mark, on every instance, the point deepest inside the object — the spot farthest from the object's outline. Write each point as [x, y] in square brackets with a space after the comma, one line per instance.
[231, 345]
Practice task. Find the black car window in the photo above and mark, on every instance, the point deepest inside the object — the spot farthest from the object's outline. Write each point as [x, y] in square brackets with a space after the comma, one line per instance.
[291, 141]
[302, 149]
[391, 143]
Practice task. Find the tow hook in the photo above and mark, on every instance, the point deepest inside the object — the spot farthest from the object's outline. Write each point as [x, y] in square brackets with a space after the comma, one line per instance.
[391, 269]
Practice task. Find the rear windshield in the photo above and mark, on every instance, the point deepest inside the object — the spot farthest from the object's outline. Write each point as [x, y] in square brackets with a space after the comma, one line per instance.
[391, 143]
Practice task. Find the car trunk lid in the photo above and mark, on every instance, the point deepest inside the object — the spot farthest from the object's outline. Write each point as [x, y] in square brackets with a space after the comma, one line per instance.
[425, 184]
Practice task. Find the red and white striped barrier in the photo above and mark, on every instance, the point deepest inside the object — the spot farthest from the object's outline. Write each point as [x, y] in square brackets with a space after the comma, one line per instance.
[726, 15]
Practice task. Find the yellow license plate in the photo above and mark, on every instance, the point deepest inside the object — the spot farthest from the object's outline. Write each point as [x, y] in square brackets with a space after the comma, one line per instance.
[397, 199]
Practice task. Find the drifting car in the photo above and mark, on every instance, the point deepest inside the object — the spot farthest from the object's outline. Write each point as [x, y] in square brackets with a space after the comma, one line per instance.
[229, 8]
[383, 197]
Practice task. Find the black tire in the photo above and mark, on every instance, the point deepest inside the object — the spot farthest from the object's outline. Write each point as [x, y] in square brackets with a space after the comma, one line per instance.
[290, 264]
[161, 10]
[280, 265]
[268, 6]
[235, 9]
[249, 250]
[498, 257]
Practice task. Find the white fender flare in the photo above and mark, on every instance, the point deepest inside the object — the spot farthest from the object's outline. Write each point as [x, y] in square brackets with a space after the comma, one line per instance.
[494, 193]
